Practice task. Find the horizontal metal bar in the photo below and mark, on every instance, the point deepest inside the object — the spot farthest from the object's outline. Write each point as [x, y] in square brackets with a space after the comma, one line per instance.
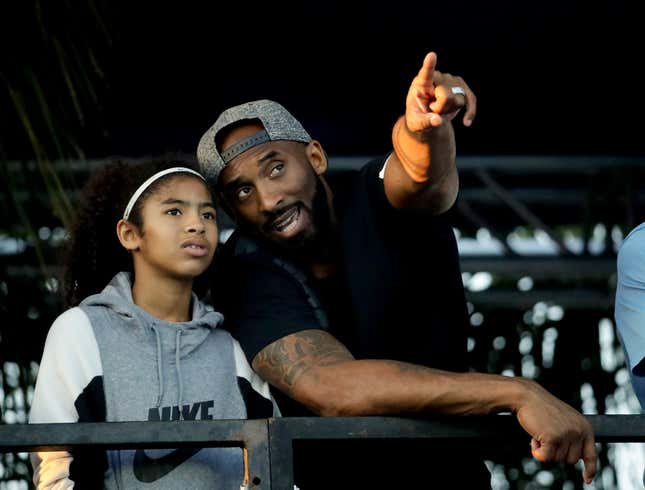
[249, 434]
[129, 435]
[572, 299]
[237, 433]
[540, 195]
[337, 428]
[517, 164]
[618, 428]
[540, 267]
[607, 428]
[548, 197]
[537, 267]
[514, 163]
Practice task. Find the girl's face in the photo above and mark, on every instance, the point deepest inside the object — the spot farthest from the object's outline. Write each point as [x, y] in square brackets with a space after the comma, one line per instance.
[179, 234]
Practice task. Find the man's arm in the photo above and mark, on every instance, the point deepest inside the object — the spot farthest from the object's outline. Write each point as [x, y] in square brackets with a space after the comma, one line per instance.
[316, 370]
[421, 174]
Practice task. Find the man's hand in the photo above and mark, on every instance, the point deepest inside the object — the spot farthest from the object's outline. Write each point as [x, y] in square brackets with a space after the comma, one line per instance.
[558, 431]
[431, 100]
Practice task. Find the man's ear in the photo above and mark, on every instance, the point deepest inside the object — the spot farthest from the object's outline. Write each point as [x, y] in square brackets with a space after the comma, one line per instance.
[317, 157]
[128, 235]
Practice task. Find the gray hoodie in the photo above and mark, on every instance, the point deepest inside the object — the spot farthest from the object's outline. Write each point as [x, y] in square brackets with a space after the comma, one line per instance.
[136, 367]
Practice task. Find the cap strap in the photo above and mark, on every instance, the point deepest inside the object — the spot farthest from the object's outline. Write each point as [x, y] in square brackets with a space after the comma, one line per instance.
[245, 144]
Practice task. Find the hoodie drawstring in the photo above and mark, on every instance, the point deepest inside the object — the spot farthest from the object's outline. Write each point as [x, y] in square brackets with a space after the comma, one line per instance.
[180, 400]
[180, 382]
[159, 368]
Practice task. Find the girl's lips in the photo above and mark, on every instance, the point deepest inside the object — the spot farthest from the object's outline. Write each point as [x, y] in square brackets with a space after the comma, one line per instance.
[196, 249]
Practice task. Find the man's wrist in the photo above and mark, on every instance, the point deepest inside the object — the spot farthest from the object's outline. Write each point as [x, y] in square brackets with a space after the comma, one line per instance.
[521, 391]
[412, 150]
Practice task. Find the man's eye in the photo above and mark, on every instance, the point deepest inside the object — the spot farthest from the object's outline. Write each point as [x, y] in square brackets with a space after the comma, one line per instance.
[173, 212]
[243, 192]
[277, 169]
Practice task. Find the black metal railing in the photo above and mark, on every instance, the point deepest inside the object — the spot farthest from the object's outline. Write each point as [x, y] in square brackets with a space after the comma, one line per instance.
[269, 442]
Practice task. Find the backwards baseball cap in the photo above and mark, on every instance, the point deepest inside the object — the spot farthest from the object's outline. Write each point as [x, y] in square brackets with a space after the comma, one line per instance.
[278, 124]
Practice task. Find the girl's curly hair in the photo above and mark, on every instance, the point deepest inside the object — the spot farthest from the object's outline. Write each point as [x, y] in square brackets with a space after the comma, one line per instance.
[93, 253]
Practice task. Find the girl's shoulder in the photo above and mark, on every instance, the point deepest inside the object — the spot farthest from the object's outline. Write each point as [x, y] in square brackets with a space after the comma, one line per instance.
[71, 324]
[71, 320]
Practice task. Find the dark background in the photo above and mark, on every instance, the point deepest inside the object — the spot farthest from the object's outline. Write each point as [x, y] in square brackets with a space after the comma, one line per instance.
[552, 77]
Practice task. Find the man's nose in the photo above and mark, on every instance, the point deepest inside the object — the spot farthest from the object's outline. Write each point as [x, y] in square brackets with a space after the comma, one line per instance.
[268, 199]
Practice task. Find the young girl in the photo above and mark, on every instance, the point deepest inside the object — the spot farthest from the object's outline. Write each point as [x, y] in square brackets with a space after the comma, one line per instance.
[137, 344]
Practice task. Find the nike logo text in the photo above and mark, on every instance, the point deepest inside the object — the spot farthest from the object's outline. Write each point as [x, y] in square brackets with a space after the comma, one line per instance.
[188, 412]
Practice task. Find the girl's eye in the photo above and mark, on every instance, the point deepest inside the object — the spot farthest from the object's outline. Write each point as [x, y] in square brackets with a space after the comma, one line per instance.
[173, 212]
[277, 170]
[209, 215]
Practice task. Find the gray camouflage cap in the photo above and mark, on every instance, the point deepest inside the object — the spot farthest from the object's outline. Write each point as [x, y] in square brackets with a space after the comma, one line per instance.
[278, 124]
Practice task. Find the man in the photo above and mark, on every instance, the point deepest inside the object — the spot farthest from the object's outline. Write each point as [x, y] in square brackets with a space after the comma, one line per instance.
[630, 308]
[346, 293]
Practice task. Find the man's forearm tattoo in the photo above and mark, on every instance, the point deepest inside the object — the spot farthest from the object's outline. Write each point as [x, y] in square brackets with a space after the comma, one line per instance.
[284, 361]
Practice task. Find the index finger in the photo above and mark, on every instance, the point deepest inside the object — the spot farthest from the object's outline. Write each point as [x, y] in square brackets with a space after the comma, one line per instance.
[590, 459]
[427, 69]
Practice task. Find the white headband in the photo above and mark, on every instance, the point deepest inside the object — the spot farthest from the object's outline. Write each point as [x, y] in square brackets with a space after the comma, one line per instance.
[146, 184]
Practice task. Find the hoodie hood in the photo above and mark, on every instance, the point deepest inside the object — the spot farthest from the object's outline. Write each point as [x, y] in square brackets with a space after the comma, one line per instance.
[117, 296]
